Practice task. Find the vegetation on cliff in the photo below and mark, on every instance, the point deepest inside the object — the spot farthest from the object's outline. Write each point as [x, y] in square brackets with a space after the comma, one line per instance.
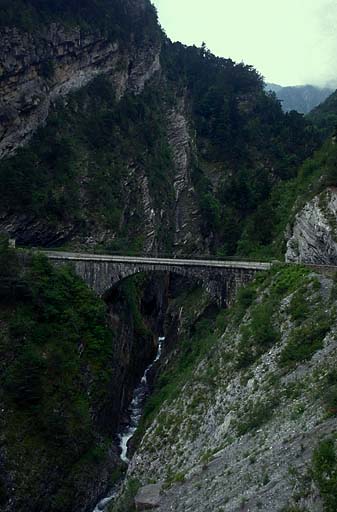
[116, 19]
[56, 359]
[76, 168]
[245, 144]
[325, 116]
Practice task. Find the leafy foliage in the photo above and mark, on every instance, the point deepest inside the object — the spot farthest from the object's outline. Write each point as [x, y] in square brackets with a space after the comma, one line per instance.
[257, 415]
[258, 335]
[305, 340]
[325, 116]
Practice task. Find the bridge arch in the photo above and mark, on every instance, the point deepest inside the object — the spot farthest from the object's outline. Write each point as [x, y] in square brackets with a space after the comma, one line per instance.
[102, 273]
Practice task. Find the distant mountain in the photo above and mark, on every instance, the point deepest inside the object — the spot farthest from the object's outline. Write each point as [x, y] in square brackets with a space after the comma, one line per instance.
[325, 116]
[302, 98]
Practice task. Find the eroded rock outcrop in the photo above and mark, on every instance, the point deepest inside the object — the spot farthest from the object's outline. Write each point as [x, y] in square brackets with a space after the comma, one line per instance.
[314, 232]
[187, 215]
[38, 68]
[138, 199]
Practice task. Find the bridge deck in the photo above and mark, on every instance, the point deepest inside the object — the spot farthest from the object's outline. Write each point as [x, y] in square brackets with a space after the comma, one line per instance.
[252, 265]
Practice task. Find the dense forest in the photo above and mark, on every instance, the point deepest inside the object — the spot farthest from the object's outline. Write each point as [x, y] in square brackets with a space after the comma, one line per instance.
[111, 17]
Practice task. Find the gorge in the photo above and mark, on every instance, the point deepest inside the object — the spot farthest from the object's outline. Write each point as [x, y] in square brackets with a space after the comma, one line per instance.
[167, 332]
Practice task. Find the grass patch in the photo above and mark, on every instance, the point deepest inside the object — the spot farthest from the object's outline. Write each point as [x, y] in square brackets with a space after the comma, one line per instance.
[299, 307]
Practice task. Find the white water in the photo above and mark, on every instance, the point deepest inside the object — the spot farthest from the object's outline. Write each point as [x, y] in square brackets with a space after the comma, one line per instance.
[136, 407]
[135, 411]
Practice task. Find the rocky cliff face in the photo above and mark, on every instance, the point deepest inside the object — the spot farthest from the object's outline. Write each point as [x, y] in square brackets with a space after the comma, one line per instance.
[38, 68]
[187, 233]
[154, 224]
[240, 434]
[313, 237]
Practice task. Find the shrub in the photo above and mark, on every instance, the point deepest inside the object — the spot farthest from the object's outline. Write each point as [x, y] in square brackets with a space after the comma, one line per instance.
[330, 392]
[258, 335]
[246, 296]
[287, 278]
[305, 341]
[330, 399]
[299, 308]
[324, 468]
[258, 414]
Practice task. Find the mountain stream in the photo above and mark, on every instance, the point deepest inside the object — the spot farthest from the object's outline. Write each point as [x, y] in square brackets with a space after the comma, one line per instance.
[135, 412]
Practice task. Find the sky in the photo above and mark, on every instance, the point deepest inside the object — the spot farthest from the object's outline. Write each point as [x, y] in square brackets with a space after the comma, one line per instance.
[290, 42]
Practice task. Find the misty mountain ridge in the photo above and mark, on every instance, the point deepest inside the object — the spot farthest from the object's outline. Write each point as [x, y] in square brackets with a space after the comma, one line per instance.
[302, 98]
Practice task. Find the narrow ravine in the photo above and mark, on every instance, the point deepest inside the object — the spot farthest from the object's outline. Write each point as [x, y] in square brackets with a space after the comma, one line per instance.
[135, 412]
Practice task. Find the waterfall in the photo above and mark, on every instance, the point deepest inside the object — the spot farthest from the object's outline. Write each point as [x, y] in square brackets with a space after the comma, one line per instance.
[135, 412]
[136, 407]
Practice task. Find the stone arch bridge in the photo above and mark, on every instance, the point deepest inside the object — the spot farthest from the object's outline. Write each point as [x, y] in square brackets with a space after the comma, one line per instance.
[221, 279]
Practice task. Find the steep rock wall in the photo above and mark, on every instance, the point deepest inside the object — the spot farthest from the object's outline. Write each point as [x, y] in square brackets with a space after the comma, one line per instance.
[313, 237]
[187, 214]
[38, 68]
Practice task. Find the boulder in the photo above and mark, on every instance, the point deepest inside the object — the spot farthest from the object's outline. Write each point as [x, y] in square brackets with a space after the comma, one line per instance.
[148, 497]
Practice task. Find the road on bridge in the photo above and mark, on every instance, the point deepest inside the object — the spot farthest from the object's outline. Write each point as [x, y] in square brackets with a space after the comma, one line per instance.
[72, 256]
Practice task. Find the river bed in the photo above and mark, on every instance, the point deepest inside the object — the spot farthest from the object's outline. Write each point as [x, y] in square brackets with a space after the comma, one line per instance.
[135, 412]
